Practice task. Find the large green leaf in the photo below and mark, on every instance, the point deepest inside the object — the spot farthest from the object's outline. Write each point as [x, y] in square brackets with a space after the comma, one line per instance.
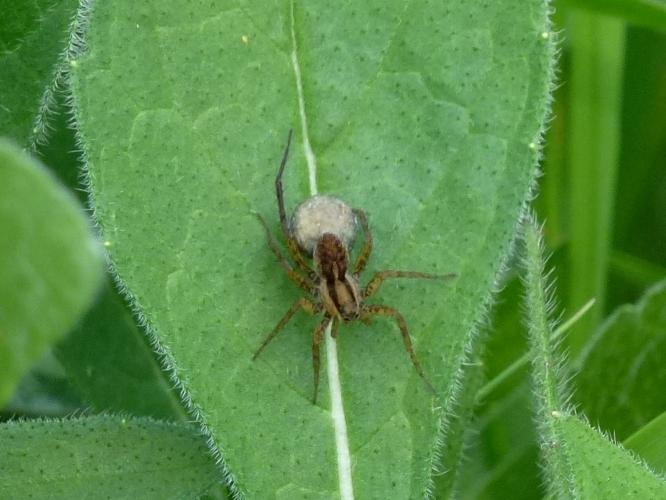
[50, 264]
[33, 38]
[621, 375]
[104, 457]
[428, 116]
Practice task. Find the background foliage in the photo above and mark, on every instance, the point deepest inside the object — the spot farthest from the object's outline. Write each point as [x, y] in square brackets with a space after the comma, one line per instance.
[602, 197]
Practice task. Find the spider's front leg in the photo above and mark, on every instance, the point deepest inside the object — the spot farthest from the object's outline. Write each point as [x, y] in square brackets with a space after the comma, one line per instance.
[379, 277]
[369, 311]
[305, 283]
[292, 245]
[317, 337]
[301, 303]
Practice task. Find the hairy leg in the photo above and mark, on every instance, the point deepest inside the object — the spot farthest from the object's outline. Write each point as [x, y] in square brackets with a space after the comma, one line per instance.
[305, 283]
[377, 310]
[366, 249]
[292, 245]
[301, 303]
[278, 186]
[379, 277]
[317, 337]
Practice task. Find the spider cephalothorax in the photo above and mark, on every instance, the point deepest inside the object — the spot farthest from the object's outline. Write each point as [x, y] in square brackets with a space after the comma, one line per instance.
[338, 290]
[322, 229]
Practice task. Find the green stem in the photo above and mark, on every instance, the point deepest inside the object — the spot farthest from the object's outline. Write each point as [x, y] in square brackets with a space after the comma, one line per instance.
[548, 389]
[524, 360]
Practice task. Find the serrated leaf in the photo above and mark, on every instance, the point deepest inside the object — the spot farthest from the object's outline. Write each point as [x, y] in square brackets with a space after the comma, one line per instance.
[50, 264]
[33, 38]
[104, 457]
[621, 375]
[425, 115]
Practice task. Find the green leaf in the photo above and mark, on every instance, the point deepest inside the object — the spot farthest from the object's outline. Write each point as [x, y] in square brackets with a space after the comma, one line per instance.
[104, 457]
[451, 469]
[43, 393]
[635, 270]
[648, 13]
[579, 461]
[107, 355]
[430, 120]
[502, 454]
[602, 469]
[501, 446]
[639, 260]
[108, 360]
[649, 442]
[50, 264]
[621, 379]
[593, 153]
[33, 38]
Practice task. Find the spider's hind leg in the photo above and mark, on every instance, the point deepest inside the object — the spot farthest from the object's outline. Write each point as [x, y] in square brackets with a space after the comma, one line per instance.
[366, 250]
[376, 310]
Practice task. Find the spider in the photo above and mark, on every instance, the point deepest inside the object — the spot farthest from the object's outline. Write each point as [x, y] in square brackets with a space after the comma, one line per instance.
[322, 229]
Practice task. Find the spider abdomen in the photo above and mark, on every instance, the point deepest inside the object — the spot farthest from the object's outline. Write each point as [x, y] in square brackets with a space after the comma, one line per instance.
[319, 215]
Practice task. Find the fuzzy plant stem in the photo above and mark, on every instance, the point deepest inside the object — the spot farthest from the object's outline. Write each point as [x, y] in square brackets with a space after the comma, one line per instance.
[547, 382]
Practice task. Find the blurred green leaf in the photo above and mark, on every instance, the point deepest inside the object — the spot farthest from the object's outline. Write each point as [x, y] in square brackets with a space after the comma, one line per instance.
[639, 224]
[104, 457]
[636, 270]
[621, 374]
[430, 120]
[50, 264]
[41, 393]
[502, 454]
[649, 442]
[34, 35]
[648, 13]
[595, 91]
[108, 360]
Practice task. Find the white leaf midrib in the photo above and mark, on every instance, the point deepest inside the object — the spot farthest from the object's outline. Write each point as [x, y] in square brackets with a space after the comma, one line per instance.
[343, 452]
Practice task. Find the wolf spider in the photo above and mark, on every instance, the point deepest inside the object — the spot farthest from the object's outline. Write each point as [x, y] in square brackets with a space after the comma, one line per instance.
[323, 228]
